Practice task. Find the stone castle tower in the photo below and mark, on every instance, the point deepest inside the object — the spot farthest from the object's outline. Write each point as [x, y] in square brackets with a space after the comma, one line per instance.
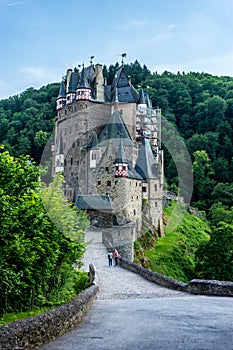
[107, 146]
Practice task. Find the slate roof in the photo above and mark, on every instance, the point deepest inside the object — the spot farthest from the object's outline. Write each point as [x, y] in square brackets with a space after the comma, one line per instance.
[145, 164]
[93, 202]
[115, 130]
[62, 90]
[132, 174]
[125, 91]
[74, 79]
[121, 158]
[142, 99]
[83, 81]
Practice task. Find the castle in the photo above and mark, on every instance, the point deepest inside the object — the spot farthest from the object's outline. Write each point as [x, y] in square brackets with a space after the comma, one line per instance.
[107, 145]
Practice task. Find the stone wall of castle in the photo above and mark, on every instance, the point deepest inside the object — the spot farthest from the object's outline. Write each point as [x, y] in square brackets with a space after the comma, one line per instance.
[122, 238]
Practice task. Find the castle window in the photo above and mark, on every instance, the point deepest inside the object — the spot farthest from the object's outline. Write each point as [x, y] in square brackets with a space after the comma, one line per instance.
[65, 162]
[77, 162]
[106, 169]
[156, 188]
[136, 183]
[71, 161]
[156, 204]
[109, 183]
[134, 212]
[98, 182]
[143, 189]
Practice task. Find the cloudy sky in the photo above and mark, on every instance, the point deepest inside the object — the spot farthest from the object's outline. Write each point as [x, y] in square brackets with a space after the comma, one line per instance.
[40, 39]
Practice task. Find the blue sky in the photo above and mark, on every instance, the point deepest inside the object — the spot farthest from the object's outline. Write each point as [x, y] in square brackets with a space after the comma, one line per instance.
[41, 39]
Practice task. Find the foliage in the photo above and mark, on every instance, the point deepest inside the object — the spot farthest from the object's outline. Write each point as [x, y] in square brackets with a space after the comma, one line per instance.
[27, 120]
[199, 105]
[215, 257]
[36, 258]
[174, 254]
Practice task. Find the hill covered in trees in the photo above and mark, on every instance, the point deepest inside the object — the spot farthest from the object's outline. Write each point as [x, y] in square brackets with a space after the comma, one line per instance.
[199, 105]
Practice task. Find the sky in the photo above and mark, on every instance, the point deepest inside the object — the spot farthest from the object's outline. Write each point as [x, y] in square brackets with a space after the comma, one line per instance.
[41, 39]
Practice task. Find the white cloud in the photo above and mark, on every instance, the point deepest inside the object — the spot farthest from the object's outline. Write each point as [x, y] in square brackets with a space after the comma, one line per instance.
[17, 3]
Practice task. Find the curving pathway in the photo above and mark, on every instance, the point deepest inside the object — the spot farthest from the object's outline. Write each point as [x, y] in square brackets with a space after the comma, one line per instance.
[133, 313]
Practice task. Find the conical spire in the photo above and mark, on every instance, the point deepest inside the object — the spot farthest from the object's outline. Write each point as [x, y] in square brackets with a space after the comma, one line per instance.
[142, 99]
[83, 83]
[121, 158]
[146, 165]
[62, 90]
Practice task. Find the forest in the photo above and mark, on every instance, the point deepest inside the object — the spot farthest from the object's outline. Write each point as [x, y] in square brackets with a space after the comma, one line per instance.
[198, 105]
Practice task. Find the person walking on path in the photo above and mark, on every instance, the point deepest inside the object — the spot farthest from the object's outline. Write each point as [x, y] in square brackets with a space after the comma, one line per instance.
[116, 256]
[110, 258]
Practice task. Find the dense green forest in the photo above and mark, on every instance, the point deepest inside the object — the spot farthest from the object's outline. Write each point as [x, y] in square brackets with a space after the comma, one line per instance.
[199, 105]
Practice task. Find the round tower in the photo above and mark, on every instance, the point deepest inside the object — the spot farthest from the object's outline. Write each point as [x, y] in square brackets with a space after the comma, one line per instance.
[121, 163]
[83, 91]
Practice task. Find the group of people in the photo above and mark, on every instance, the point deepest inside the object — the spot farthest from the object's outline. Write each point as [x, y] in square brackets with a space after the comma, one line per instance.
[113, 254]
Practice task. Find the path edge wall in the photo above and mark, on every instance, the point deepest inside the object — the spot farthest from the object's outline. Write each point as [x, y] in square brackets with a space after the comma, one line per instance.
[35, 331]
[196, 286]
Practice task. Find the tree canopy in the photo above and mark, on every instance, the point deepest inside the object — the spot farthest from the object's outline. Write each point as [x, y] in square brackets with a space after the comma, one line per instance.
[36, 256]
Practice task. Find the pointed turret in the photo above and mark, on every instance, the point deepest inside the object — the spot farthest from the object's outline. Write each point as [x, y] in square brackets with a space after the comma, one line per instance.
[72, 81]
[142, 105]
[61, 98]
[142, 100]
[146, 165]
[83, 91]
[121, 163]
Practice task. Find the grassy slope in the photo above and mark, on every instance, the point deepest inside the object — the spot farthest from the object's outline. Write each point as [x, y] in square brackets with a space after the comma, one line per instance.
[174, 254]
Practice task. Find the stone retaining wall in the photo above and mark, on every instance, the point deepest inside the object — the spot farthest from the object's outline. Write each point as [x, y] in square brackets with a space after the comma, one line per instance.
[35, 331]
[202, 287]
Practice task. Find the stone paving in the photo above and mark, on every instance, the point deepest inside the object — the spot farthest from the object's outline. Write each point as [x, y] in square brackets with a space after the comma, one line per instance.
[116, 282]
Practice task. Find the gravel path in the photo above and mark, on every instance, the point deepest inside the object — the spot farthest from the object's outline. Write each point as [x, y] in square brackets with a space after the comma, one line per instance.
[116, 282]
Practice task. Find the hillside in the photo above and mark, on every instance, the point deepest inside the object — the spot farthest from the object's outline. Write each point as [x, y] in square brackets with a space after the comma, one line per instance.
[174, 254]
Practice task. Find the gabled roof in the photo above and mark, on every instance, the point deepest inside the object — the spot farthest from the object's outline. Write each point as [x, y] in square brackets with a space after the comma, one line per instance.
[62, 90]
[93, 202]
[115, 130]
[146, 165]
[121, 158]
[120, 79]
[125, 91]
